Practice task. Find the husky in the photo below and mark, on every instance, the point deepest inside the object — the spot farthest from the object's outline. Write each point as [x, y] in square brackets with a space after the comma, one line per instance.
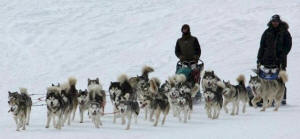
[235, 94]
[160, 103]
[95, 110]
[147, 100]
[55, 106]
[127, 108]
[181, 95]
[96, 93]
[210, 80]
[268, 90]
[214, 101]
[114, 90]
[69, 94]
[126, 104]
[141, 83]
[118, 90]
[174, 93]
[20, 106]
[83, 101]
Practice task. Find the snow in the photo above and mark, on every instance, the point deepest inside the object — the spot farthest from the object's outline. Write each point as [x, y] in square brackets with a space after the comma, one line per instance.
[44, 42]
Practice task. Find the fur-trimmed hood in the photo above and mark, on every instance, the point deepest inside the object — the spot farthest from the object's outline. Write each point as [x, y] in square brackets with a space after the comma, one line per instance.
[283, 26]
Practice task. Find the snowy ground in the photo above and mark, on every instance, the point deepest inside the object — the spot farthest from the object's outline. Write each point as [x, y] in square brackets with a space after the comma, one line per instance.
[44, 42]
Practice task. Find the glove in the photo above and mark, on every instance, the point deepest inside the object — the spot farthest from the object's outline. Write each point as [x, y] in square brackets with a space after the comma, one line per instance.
[181, 58]
[196, 57]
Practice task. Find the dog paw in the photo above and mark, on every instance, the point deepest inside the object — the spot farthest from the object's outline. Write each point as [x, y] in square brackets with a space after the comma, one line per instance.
[81, 121]
[263, 110]
[232, 114]
[47, 126]
[276, 109]
[17, 129]
[127, 128]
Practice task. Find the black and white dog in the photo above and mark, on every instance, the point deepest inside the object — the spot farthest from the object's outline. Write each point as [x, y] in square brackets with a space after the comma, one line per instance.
[214, 101]
[210, 80]
[97, 100]
[181, 96]
[126, 104]
[141, 83]
[20, 106]
[83, 101]
[160, 103]
[69, 94]
[55, 106]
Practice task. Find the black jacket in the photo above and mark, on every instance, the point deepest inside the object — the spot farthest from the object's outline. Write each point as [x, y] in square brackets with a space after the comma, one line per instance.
[187, 48]
[275, 45]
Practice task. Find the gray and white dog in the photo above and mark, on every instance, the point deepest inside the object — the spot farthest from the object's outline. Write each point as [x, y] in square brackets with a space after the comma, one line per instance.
[83, 101]
[97, 100]
[268, 90]
[181, 96]
[157, 102]
[210, 80]
[126, 104]
[140, 83]
[235, 94]
[213, 101]
[55, 106]
[20, 106]
[69, 94]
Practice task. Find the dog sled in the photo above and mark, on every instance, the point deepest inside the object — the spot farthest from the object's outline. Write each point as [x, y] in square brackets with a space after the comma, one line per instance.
[192, 71]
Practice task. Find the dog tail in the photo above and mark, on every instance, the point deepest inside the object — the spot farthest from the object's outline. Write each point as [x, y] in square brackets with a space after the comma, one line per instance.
[72, 81]
[241, 80]
[283, 76]
[154, 85]
[123, 78]
[171, 80]
[146, 70]
[180, 78]
[23, 91]
[221, 84]
[195, 90]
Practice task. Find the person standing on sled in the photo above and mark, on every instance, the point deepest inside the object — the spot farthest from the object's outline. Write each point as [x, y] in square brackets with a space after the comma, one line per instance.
[187, 47]
[188, 51]
[275, 44]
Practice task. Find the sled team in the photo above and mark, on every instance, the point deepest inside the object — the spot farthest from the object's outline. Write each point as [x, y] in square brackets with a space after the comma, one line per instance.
[131, 95]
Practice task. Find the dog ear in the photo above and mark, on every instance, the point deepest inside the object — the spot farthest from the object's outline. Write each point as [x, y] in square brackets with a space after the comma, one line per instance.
[52, 84]
[9, 92]
[97, 80]
[58, 85]
[213, 72]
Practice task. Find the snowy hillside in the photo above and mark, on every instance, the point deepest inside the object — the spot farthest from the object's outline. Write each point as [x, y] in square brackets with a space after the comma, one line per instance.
[44, 42]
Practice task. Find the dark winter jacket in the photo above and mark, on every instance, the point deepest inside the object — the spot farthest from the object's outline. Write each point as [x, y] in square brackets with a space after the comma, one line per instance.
[275, 45]
[187, 48]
